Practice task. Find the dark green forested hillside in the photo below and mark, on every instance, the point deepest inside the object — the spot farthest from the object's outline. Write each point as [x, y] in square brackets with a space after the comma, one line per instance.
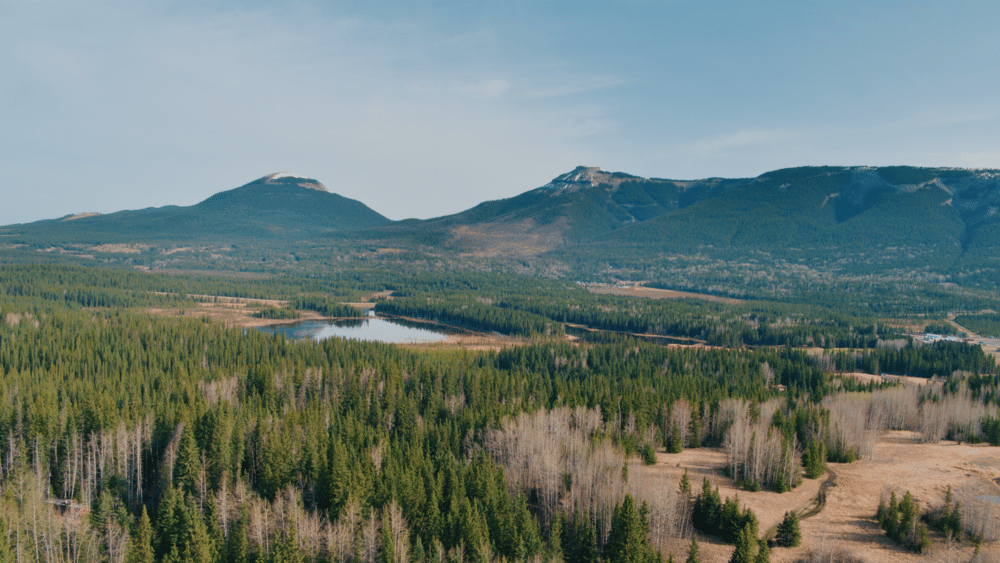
[268, 209]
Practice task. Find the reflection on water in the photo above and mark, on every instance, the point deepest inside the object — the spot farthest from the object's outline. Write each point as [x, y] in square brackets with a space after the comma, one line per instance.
[375, 329]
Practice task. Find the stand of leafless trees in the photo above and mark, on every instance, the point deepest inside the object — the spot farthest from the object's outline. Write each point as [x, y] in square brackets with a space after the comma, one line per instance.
[40, 530]
[562, 458]
[856, 419]
[758, 454]
[855, 422]
[980, 509]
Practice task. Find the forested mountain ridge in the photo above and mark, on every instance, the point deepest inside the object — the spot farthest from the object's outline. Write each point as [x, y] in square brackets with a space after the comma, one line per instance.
[842, 206]
[576, 207]
[815, 225]
[272, 207]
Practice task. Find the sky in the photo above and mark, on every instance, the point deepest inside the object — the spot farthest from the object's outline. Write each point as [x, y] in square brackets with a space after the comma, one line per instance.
[421, 109]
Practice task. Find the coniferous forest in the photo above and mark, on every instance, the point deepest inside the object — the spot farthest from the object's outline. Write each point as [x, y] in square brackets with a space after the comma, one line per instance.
[132, 436]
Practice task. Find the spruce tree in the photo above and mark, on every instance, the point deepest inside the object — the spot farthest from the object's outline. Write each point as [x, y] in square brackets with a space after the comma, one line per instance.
[213, 525]
[789, 533]
[169, 521]
[628, 541]
[418, 555]
[730, 519]
[955, 521]
[693, 556]
[198, 544]
[555, 536]
[238, 549]
[286, 550]
[141, 548]
[921, 541]
[386, 542]
[707, 508]
[694, 438]
[188, 465]
[907, 517]
[685, 487]
[584, 542]
[745, 547]
[892, 516]
[675, 446]
[814, 459]
[763, 553]
[749, 518]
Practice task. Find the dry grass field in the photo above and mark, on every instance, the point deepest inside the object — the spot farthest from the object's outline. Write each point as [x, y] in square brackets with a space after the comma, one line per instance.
[847, 519]
[653, 293]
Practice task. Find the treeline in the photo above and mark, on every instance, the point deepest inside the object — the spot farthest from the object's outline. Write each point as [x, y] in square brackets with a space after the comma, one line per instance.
[748, 324]
[324, 306]
[45, 286]
[471, 314]
[926, 360]
[847, 285]
[984, 325]
[278, 313]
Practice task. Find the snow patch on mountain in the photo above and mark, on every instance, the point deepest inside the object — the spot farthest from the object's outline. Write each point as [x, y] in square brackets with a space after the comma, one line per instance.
[308, 183]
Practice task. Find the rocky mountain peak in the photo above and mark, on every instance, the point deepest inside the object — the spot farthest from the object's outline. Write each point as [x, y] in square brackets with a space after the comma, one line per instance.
[583, 177]
[287, 178]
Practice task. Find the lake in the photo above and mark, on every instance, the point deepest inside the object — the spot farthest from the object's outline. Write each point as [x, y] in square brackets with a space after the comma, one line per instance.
[374, 329]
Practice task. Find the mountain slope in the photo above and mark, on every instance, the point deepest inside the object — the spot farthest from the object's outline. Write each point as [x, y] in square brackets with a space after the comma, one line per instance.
[886, 218]
[275, 206]
[581, 205]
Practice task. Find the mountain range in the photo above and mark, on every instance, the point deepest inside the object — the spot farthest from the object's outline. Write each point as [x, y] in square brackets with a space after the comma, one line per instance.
[882, 218]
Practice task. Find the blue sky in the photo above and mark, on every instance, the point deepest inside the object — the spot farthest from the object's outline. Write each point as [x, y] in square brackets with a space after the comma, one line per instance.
[421, 109]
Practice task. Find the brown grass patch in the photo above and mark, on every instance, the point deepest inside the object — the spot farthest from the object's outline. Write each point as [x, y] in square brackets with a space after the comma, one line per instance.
[80, 216]
[904, 379]
[522, 238]
[654, 293]
[120, 248]
[847, 521]
[471, 341]
[232, 311]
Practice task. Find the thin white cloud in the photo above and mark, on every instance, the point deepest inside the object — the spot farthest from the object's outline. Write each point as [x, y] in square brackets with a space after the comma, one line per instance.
[485, 88]
[571, 85]
[742, 138]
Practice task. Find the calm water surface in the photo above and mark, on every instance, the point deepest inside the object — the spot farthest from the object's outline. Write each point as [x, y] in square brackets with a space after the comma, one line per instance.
[376, 329]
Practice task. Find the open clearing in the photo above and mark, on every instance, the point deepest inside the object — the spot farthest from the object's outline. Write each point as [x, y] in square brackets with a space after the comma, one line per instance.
[847, 520]
[937, 384]
[653, 293]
